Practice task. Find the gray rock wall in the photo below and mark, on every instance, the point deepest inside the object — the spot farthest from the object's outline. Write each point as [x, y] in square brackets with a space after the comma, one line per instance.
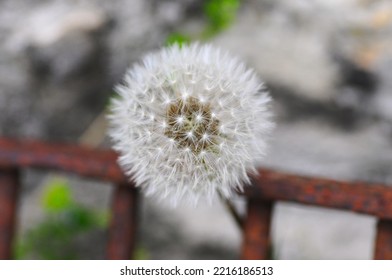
[60, 59]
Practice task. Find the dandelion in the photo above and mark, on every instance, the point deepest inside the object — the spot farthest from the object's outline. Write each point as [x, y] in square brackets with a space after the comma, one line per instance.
[190, 122]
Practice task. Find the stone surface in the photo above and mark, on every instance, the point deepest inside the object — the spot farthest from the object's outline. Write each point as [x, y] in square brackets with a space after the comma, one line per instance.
[60, 59]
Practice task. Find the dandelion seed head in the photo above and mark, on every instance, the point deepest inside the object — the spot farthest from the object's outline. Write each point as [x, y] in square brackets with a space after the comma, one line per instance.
[190, 122]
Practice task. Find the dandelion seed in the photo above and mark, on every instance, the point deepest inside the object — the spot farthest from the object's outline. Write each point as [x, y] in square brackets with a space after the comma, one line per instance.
[206, 116]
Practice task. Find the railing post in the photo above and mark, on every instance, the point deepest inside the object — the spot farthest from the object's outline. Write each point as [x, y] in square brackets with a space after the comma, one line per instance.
[383, 246]
[122, 231]
[9, 188]
[256, 243]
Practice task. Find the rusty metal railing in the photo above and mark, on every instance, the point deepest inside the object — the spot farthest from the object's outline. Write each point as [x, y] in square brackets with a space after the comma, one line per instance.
[92, 163]
[268, 187]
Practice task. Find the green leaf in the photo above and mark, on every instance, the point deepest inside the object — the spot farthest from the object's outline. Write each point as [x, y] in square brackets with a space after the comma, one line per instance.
[78, 218]
[65, 221]
[141, 254]
[57, 196]
[102, 219]
[221, 14]
[177, 38]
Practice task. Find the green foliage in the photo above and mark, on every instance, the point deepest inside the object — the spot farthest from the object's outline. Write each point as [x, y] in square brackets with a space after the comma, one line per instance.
[113, 96]
[221, 14]
[65, 220]
[57, 197]
[141, 254]
[177, 38]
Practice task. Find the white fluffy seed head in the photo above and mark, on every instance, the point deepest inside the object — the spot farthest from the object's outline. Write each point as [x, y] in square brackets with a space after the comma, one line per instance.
[206, 114]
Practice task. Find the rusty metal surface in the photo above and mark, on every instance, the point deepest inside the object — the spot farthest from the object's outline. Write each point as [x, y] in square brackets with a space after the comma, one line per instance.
[123, 225]
[383, 245]
[9, 187]
[256, 239]
[366, 198]
[372, 199]
[95, 163]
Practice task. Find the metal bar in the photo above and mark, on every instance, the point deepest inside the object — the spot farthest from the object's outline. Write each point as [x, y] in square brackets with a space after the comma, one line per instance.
[383, 246]
[96, 163]
[9, 187]
[256, 240]
[365, 198]
[122, 230]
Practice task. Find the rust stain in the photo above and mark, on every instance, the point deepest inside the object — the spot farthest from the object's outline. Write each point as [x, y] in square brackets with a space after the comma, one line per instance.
[96, 163]
[383, 246]
[268, 186]
[123, 225]
[256, 240]
[365, 198]
[9, 188]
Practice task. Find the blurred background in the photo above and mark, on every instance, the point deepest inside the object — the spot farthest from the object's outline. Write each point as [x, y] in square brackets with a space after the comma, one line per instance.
[327, 63]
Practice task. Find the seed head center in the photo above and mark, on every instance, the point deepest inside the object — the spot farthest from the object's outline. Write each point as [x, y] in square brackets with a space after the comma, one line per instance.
[191, 124]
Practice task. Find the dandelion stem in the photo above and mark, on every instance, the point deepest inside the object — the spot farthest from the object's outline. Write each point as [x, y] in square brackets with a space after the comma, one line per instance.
[233, 211]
